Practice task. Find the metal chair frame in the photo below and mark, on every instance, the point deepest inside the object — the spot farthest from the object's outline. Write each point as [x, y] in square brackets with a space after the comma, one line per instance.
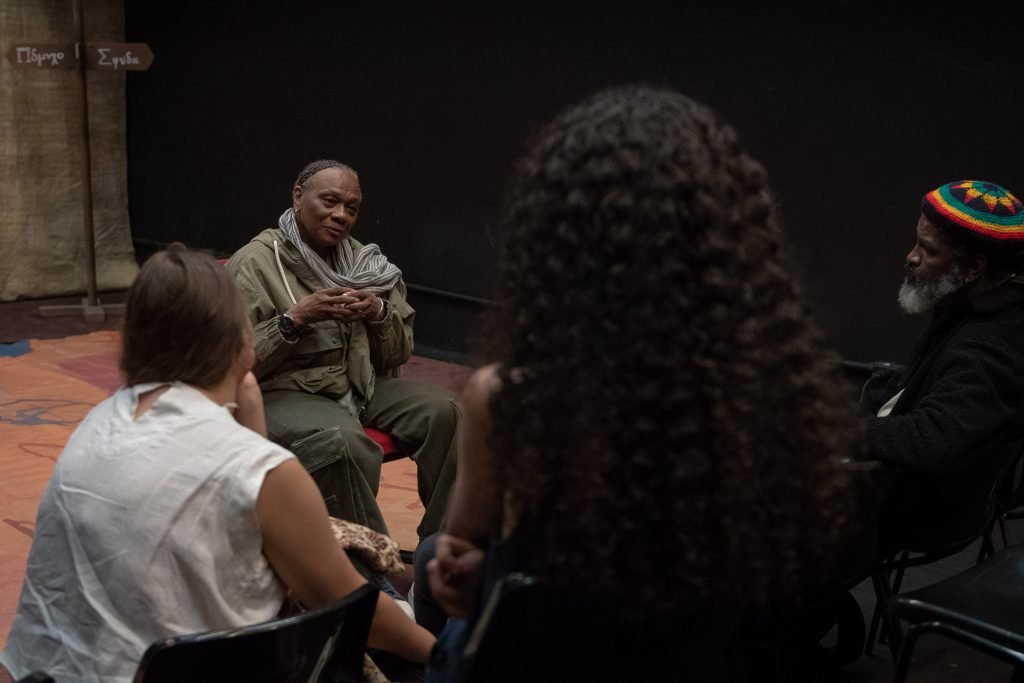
[917, 630]
[968, 608]
[887, 586]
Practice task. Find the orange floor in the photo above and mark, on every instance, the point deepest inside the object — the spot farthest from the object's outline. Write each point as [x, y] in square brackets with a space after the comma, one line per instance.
[46, 390]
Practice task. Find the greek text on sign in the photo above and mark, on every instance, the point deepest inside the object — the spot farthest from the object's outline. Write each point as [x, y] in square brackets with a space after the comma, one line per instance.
[118, 56]
[42, 56]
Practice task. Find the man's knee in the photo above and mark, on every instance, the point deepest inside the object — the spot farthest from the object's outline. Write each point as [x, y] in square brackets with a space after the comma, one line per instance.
[436, 406]
[422, 409]
[442, 408]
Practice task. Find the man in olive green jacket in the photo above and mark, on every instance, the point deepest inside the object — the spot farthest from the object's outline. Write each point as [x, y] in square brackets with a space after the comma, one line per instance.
[332, 327]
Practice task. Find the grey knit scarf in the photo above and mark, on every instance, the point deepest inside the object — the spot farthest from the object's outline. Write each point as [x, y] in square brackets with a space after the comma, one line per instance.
[366, 269]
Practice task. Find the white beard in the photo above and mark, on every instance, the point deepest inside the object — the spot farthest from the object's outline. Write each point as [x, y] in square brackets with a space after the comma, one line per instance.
[917, 295]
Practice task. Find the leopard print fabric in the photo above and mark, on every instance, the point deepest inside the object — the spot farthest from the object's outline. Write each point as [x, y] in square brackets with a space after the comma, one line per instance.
[378, 551]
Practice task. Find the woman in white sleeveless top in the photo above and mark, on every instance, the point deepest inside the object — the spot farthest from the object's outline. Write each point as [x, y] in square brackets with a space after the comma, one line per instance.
[169, 512]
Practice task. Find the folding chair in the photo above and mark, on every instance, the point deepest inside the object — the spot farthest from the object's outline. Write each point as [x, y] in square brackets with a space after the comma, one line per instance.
[530, 632]
[324, 645]
[982, 607]
[887, 579]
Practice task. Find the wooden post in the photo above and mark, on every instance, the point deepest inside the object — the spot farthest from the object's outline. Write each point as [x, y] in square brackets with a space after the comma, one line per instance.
[90, 232]
[90, 308]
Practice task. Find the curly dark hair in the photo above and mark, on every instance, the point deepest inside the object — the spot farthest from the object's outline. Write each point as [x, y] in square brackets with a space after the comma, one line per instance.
[670, 422]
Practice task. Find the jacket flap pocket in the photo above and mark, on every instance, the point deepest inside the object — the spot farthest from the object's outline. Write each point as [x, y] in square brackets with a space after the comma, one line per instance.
[320, 449]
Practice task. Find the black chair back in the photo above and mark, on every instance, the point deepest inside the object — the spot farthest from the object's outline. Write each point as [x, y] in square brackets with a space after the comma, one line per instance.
[529, 632]
[324, 644]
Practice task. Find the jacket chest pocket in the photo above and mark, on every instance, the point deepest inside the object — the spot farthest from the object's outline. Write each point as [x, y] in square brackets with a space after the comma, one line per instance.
[321, 346]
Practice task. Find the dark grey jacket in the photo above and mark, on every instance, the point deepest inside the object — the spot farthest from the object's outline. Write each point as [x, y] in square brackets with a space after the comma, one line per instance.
[963, 398]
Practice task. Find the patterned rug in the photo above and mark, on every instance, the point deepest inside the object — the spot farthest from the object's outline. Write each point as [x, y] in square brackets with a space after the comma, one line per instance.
[48, 386]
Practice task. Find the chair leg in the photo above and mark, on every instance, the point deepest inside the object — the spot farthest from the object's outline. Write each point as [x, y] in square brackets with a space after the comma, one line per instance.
[1002, 530]
[869, 642]
[906, 653]
[894, 633]
[891, 628]
[880, 582]
[987, 547]
[884, 628]
[898, 582]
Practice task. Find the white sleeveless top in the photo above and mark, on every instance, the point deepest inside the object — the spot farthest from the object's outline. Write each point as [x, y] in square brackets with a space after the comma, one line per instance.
[147, 529]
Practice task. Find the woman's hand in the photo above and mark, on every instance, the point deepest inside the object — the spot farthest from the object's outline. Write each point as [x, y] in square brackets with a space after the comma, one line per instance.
[343, 304]
[249, 398]
[454, 574]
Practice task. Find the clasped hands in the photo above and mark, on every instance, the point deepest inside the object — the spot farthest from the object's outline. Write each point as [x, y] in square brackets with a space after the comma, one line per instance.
[343, 304]
[454, 574]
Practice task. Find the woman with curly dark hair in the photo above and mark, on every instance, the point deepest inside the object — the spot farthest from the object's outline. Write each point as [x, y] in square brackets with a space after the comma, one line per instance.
[663, 427]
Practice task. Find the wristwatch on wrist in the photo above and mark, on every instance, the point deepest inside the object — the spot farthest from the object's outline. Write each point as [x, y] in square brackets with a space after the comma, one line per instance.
[287, 327]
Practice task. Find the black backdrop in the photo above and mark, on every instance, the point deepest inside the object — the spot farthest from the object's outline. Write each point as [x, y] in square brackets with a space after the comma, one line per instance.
[854, 111]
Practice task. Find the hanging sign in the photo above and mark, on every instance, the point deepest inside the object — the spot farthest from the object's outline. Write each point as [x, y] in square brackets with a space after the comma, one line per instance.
[99, 56]
[43, 56]
[118, 56]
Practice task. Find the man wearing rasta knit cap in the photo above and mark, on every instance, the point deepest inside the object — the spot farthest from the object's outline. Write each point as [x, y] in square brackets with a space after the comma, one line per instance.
[943, 422]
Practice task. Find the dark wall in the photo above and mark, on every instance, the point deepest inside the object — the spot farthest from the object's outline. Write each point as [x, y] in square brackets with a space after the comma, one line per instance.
[855, 113]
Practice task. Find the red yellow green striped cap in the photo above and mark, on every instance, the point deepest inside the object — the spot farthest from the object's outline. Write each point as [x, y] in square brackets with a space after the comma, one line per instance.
[977, 211]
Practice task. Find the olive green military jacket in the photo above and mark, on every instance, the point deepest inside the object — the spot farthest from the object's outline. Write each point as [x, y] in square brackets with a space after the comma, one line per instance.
[330, 357]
